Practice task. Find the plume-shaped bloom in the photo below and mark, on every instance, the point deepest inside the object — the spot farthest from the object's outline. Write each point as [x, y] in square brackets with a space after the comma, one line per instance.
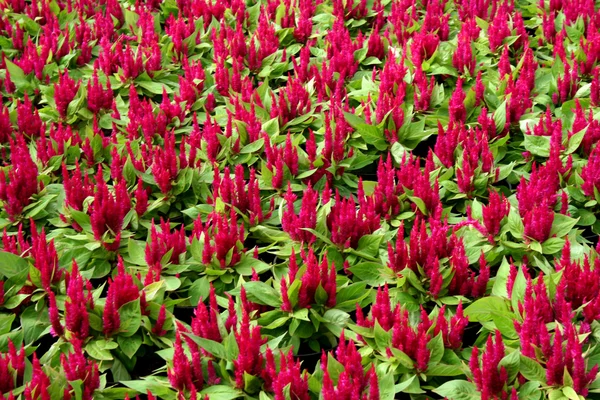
[64, 92]
[17, 187]
[323, 275]
[205, 324]
[185, 375]
[108, 212]
[296, 224]
[382, 311]
[288, 373]
[37, 387]
[494, 212]
[453, 330]
[98, 98]
[413, 342]
[251, 360]
[590, 173]
[160, 244]
[353, 382]
[45, 258]
[76, 306]
[78, 367]
[456, 106]
[223, 235]
[489, 376]
[347, 224]
[121, 290]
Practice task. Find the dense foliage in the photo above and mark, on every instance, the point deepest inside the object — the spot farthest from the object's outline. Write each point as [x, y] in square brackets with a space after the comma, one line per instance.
[306, 199]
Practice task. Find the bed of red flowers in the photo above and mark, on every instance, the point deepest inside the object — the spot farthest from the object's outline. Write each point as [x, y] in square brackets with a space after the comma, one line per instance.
[299, 199]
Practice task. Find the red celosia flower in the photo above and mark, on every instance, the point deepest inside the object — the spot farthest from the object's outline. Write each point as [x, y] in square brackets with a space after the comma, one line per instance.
[456, 106]
[347, 224]
[78, 367]
[412, 342]
[590, 173]
[295, 224]
[17, 188]
[538, 222]
[121, 290]
[497, 208]
[12, 368]
[489, 377]
[353, 382]
[77, 187]
[37, 387]
[205, 324]
[76, 313]
[452, 331]
[108, 211]
[64, 92]
[160, 244]
[250, 360]
[28, 118]
[157, 329]
[288, 374]
[463, 58]
[236, 193]
[381, 311]
[316, 275]
[45, 258]
[98, 97]
[222, 235]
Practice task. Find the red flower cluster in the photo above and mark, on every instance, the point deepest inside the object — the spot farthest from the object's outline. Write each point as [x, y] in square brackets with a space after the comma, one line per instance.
[121, 290]
[21, 183]
[78, 367]
[352, 383]
[489, 377]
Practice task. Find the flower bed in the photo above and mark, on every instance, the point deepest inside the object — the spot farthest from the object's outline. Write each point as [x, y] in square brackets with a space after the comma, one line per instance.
[299, 199]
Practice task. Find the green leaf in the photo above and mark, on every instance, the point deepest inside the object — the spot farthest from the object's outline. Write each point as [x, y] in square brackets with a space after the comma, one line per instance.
[575, 141]
[347, 297]
[200, 289]
[436, 346]
[458, 390]
[214, 348]
[553, 245]
[500, 117]
[537, 145]
[131, 318]
[562, 225]
[11, 264]
[17, 76]
[221, 392]
[512, 363]
[248, 263]
[383, 338]
[129, 345]
[153, 87]
[157, 388]
[370, 272]
[262, 293]
[481, 310]
[271, 127]
[100, 350]
[370, 134]
[369, 244]
[444, 370]
[253, 147]
[532, 370]
[387, 390]
[34, 323]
